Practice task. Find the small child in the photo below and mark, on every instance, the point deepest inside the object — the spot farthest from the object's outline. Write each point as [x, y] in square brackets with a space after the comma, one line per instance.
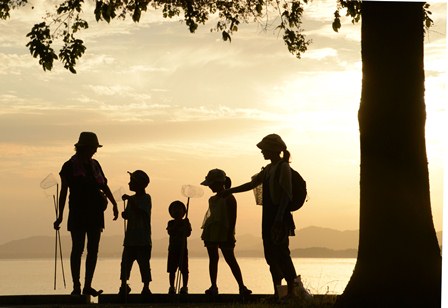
[137, 240]
[178, 229]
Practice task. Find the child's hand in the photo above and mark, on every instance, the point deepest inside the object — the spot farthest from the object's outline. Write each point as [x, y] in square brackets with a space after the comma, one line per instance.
[125, 197]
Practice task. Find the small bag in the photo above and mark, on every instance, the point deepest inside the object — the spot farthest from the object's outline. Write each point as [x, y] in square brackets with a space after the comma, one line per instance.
[102, 200]
[258, 192]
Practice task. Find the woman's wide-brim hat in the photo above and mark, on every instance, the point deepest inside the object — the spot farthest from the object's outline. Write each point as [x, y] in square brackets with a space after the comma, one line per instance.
[214, 176]
[272, 142]
[88, 139]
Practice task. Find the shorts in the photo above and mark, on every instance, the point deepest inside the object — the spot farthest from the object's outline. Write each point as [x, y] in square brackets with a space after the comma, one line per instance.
[175, 262]
[222, 245]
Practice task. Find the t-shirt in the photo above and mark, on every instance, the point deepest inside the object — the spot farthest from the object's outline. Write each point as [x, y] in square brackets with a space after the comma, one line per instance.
[276, 184]
[85, 180]
[138, 215]
[178, 230]
[217, 226]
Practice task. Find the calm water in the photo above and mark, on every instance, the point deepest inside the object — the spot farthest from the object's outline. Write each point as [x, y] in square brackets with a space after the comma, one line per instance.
[24, 277]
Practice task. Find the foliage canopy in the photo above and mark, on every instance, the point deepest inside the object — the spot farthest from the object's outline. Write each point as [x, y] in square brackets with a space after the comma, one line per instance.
[67, 19]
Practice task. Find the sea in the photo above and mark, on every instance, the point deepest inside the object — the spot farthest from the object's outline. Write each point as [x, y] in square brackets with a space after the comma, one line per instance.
[37, 276]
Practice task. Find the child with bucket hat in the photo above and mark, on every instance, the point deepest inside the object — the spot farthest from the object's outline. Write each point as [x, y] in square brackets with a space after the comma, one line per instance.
[277, 221]
[83, 177]
[219, 230]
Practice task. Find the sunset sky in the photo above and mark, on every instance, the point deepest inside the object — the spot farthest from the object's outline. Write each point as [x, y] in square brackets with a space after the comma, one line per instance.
[177, 104]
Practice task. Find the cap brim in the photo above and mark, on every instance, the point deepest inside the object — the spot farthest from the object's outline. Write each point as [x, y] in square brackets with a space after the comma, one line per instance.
[205, 183]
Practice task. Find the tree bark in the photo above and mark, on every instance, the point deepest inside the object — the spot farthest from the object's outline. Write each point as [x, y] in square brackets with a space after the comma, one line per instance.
[399, 261]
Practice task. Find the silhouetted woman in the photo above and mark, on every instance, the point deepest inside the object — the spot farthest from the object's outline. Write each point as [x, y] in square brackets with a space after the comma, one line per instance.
[219, 230]
[83, 176]
[277, 221]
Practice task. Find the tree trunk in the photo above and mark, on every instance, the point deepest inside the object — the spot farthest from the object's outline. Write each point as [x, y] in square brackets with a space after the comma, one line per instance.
[399, 262]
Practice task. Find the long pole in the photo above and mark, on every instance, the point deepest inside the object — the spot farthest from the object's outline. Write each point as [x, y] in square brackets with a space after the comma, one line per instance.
[59, 236]
[55, 246]
[57, 241]
[124, 259]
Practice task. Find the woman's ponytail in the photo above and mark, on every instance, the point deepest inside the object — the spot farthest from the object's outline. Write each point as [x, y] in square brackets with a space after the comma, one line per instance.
[227, 183]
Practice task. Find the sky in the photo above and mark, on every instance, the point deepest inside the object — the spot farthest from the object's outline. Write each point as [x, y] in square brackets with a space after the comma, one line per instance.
[176, 105]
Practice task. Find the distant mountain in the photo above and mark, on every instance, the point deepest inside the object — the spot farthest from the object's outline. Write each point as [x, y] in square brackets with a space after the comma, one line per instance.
[325, 237]
[310, 242]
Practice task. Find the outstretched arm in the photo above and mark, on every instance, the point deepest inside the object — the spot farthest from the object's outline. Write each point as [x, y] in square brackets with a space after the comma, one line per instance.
[237, 189]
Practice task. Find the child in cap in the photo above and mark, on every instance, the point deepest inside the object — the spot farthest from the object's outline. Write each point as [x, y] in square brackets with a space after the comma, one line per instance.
[179, 228]
[219, 230]
[137, 240]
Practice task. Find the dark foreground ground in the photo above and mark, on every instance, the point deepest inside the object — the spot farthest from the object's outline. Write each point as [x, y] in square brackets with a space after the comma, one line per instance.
[164, 301]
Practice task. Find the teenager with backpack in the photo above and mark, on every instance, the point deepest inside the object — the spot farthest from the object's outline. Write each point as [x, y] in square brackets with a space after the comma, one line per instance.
[277, 220]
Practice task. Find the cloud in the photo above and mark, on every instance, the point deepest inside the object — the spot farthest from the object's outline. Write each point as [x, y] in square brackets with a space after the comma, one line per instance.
[15, 64]
[319, 54]
[109, 90]
[322, 10]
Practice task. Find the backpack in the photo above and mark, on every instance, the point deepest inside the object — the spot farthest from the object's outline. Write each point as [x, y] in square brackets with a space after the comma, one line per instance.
[298, 188]
[299, 193]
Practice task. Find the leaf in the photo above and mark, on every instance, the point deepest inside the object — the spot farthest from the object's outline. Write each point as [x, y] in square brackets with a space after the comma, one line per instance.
[98, 10]
[226, 36]
[336, 24]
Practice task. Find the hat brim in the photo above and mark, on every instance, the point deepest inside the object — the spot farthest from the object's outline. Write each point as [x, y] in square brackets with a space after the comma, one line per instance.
[88, 145]
[206, 183]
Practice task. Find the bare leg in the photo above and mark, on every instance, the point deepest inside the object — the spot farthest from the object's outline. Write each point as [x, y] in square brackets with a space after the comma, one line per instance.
[185, 278]
[213, 264]
[229, 256]
[172, 278]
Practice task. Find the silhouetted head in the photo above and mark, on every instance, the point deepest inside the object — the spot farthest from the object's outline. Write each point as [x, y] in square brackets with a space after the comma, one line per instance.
[272, 145]
[139, 180]
[88, 139]
[177, 209]
[87, 144]
[272, 142]
[217, 180]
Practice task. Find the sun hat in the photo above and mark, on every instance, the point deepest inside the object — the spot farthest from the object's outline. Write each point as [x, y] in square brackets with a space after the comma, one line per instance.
[140, 177]
[272, 142]
[88, 139]
[214, 176]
